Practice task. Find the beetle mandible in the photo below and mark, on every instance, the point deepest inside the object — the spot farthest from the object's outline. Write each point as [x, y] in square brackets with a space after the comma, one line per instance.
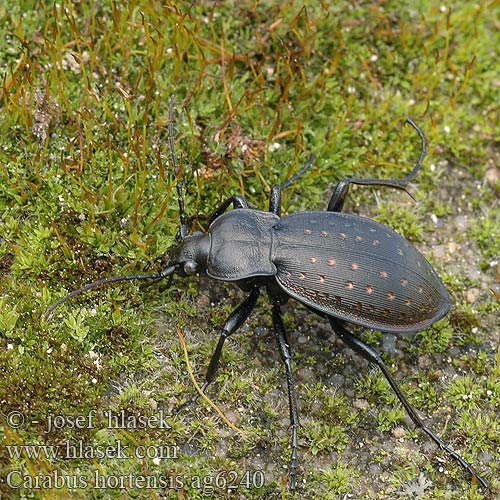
[343, 267]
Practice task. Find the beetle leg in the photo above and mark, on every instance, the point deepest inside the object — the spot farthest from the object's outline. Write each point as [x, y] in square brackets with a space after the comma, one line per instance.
[275, 198]
[339, 195]
[237, 201]
[235, 320]
[371, 355]
[286, 356]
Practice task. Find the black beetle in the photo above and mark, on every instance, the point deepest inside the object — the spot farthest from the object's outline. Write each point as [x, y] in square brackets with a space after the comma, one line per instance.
[344, 267]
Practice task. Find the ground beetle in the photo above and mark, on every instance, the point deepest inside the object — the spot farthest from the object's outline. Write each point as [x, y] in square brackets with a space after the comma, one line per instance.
[344, 267]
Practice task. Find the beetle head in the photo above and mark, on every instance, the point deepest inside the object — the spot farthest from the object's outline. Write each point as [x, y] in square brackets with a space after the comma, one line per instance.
[190, 256]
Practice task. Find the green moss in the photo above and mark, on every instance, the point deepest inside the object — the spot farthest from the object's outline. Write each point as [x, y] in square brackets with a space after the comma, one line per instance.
[334, 481]
[87, 191]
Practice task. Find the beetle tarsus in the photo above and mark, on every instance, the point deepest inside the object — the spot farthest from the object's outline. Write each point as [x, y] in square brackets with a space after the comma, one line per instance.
[177, 409]
[286, 356]
[339, 195]
[423, 153]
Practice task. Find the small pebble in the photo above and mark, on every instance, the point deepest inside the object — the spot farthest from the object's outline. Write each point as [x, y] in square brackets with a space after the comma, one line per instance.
[398, 432]
[472, 295]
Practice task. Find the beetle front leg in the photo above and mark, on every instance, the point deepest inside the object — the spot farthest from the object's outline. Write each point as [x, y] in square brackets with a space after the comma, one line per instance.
[237, 201]
[370, 354]
[286, 356]
[275, 198]
[235, 320]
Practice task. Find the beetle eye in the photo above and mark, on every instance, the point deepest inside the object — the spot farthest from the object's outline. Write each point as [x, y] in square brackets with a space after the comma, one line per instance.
[190, 267]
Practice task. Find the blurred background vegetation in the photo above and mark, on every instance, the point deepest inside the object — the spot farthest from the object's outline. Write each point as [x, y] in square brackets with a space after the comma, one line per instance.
[87, 191]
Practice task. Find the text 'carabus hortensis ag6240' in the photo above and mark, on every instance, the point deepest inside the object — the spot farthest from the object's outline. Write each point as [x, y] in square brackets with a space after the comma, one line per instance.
[344, 267]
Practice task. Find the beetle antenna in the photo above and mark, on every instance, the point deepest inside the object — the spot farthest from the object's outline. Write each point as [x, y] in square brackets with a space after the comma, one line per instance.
[423, 154]
[113, 279]
[180, 194]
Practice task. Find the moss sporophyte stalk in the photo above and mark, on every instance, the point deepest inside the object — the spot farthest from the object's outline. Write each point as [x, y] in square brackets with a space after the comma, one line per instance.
[88, 191]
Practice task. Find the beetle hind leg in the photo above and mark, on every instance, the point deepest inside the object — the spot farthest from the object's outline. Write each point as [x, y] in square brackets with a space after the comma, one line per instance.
[371, 355]
[286, 356]
[235, 320]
